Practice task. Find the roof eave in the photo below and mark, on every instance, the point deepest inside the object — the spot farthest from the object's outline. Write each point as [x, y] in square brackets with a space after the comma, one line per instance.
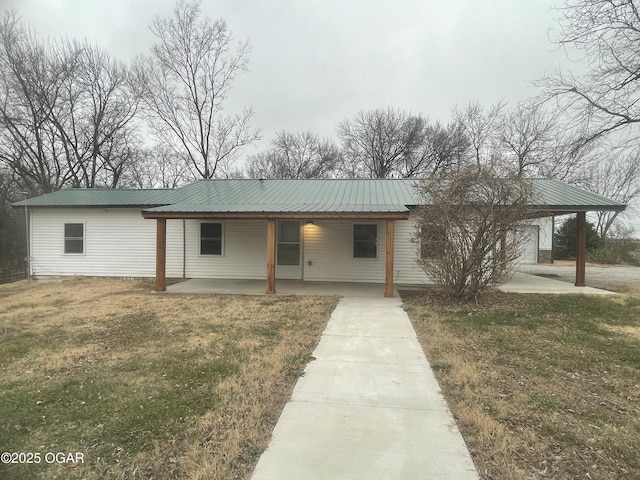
[22, 204]
[277, 215]
[578, 208]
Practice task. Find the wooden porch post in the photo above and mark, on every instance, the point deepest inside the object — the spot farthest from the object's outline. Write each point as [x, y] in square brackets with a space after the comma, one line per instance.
[581, 247]
[388, 276]
[271, 256]
[161, 255]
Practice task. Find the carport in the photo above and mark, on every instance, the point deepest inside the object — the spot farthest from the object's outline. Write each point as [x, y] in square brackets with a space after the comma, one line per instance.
[554, 198]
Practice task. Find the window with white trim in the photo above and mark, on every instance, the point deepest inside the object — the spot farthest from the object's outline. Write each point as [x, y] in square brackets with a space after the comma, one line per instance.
[211, 238]
[74, 238]
[365, 240]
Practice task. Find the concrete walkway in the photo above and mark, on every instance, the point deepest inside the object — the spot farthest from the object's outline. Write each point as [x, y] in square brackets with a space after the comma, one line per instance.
[367, 408]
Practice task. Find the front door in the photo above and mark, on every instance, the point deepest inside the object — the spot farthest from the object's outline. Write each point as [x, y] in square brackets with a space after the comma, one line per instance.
[289, 250]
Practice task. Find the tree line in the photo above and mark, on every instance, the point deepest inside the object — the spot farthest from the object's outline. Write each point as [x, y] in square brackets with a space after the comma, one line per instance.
[73, 115]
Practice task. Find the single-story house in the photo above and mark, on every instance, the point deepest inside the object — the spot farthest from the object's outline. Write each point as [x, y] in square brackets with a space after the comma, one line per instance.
[312, 230]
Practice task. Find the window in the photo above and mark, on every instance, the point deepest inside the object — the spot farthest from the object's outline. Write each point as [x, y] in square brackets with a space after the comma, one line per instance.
[74, 238]
[365, 240]
[210, 239]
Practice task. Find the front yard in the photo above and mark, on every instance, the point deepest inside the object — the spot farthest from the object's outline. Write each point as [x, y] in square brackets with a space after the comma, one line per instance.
[541, 386]
[144, 385]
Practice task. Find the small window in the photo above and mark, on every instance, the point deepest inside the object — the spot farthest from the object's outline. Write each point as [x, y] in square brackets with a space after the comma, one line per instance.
[365, 241]
[210, 239]
[74, 238]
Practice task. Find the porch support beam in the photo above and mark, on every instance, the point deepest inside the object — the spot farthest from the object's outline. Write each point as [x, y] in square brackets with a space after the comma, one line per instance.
[161, 255]
[388, 276]
[271, 256]
[581, 248]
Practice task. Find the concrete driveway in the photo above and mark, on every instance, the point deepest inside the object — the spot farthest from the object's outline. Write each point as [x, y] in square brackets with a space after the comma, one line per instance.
[599, 276]
[527, 283]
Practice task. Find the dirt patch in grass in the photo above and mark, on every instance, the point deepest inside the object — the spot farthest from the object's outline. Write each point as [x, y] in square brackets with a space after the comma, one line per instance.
[541, 386]
[146, 385]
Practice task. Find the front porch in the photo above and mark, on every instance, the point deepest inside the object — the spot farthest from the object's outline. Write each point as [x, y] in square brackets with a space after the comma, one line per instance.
[325, 247]
[285, 287]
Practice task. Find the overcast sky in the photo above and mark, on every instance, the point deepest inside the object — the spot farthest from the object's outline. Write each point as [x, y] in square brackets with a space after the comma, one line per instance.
[315, 63]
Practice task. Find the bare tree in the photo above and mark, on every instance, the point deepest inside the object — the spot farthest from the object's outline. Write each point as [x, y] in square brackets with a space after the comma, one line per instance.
[562, 160]
[479, 126]
[157, 167]
[32, 77]
[95, 119]
[468, 228]
[526, 134]
[377, 143]
[443, 149]
[66, 111]
[388, 142]
[603, 36]
[613, 176]
[296, 155]
[187, 79]
[12, 224]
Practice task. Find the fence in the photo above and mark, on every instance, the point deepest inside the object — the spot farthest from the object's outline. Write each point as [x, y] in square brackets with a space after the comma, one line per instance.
[12, 273]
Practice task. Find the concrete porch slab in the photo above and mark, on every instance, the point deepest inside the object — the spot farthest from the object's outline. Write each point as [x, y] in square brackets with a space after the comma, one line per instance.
[283, 287]
[525, 283]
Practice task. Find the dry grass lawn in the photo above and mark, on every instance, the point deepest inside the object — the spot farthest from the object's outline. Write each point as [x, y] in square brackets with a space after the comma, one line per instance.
[542, 386]
[145, 385]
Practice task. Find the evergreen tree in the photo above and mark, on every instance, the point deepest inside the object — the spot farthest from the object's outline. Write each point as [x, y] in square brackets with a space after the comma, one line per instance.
[566, 238]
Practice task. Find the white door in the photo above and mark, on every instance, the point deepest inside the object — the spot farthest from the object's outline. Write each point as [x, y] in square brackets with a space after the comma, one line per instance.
[289, 250]
[530, 247]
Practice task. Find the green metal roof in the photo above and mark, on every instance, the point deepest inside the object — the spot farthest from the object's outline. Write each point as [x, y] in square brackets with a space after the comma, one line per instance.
[102, 197]
[553, 194]
[293, 196]
[299, 196]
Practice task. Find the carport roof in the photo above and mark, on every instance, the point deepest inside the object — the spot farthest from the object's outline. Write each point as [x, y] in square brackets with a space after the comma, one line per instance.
[312, 196]
[558, 197]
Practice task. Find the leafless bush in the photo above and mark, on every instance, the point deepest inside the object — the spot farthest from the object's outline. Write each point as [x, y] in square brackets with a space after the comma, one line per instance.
[469, 228]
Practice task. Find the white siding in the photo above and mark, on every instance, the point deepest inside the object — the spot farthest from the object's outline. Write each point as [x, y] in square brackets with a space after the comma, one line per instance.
[244, 251]
[118, 242]
[406, 254]
[328, 245]
[545, 234]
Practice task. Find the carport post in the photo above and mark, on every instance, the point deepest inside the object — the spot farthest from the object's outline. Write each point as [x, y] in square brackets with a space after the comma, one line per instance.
[581, 247]
[161, 255]
[271, 256]
[388, 276]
